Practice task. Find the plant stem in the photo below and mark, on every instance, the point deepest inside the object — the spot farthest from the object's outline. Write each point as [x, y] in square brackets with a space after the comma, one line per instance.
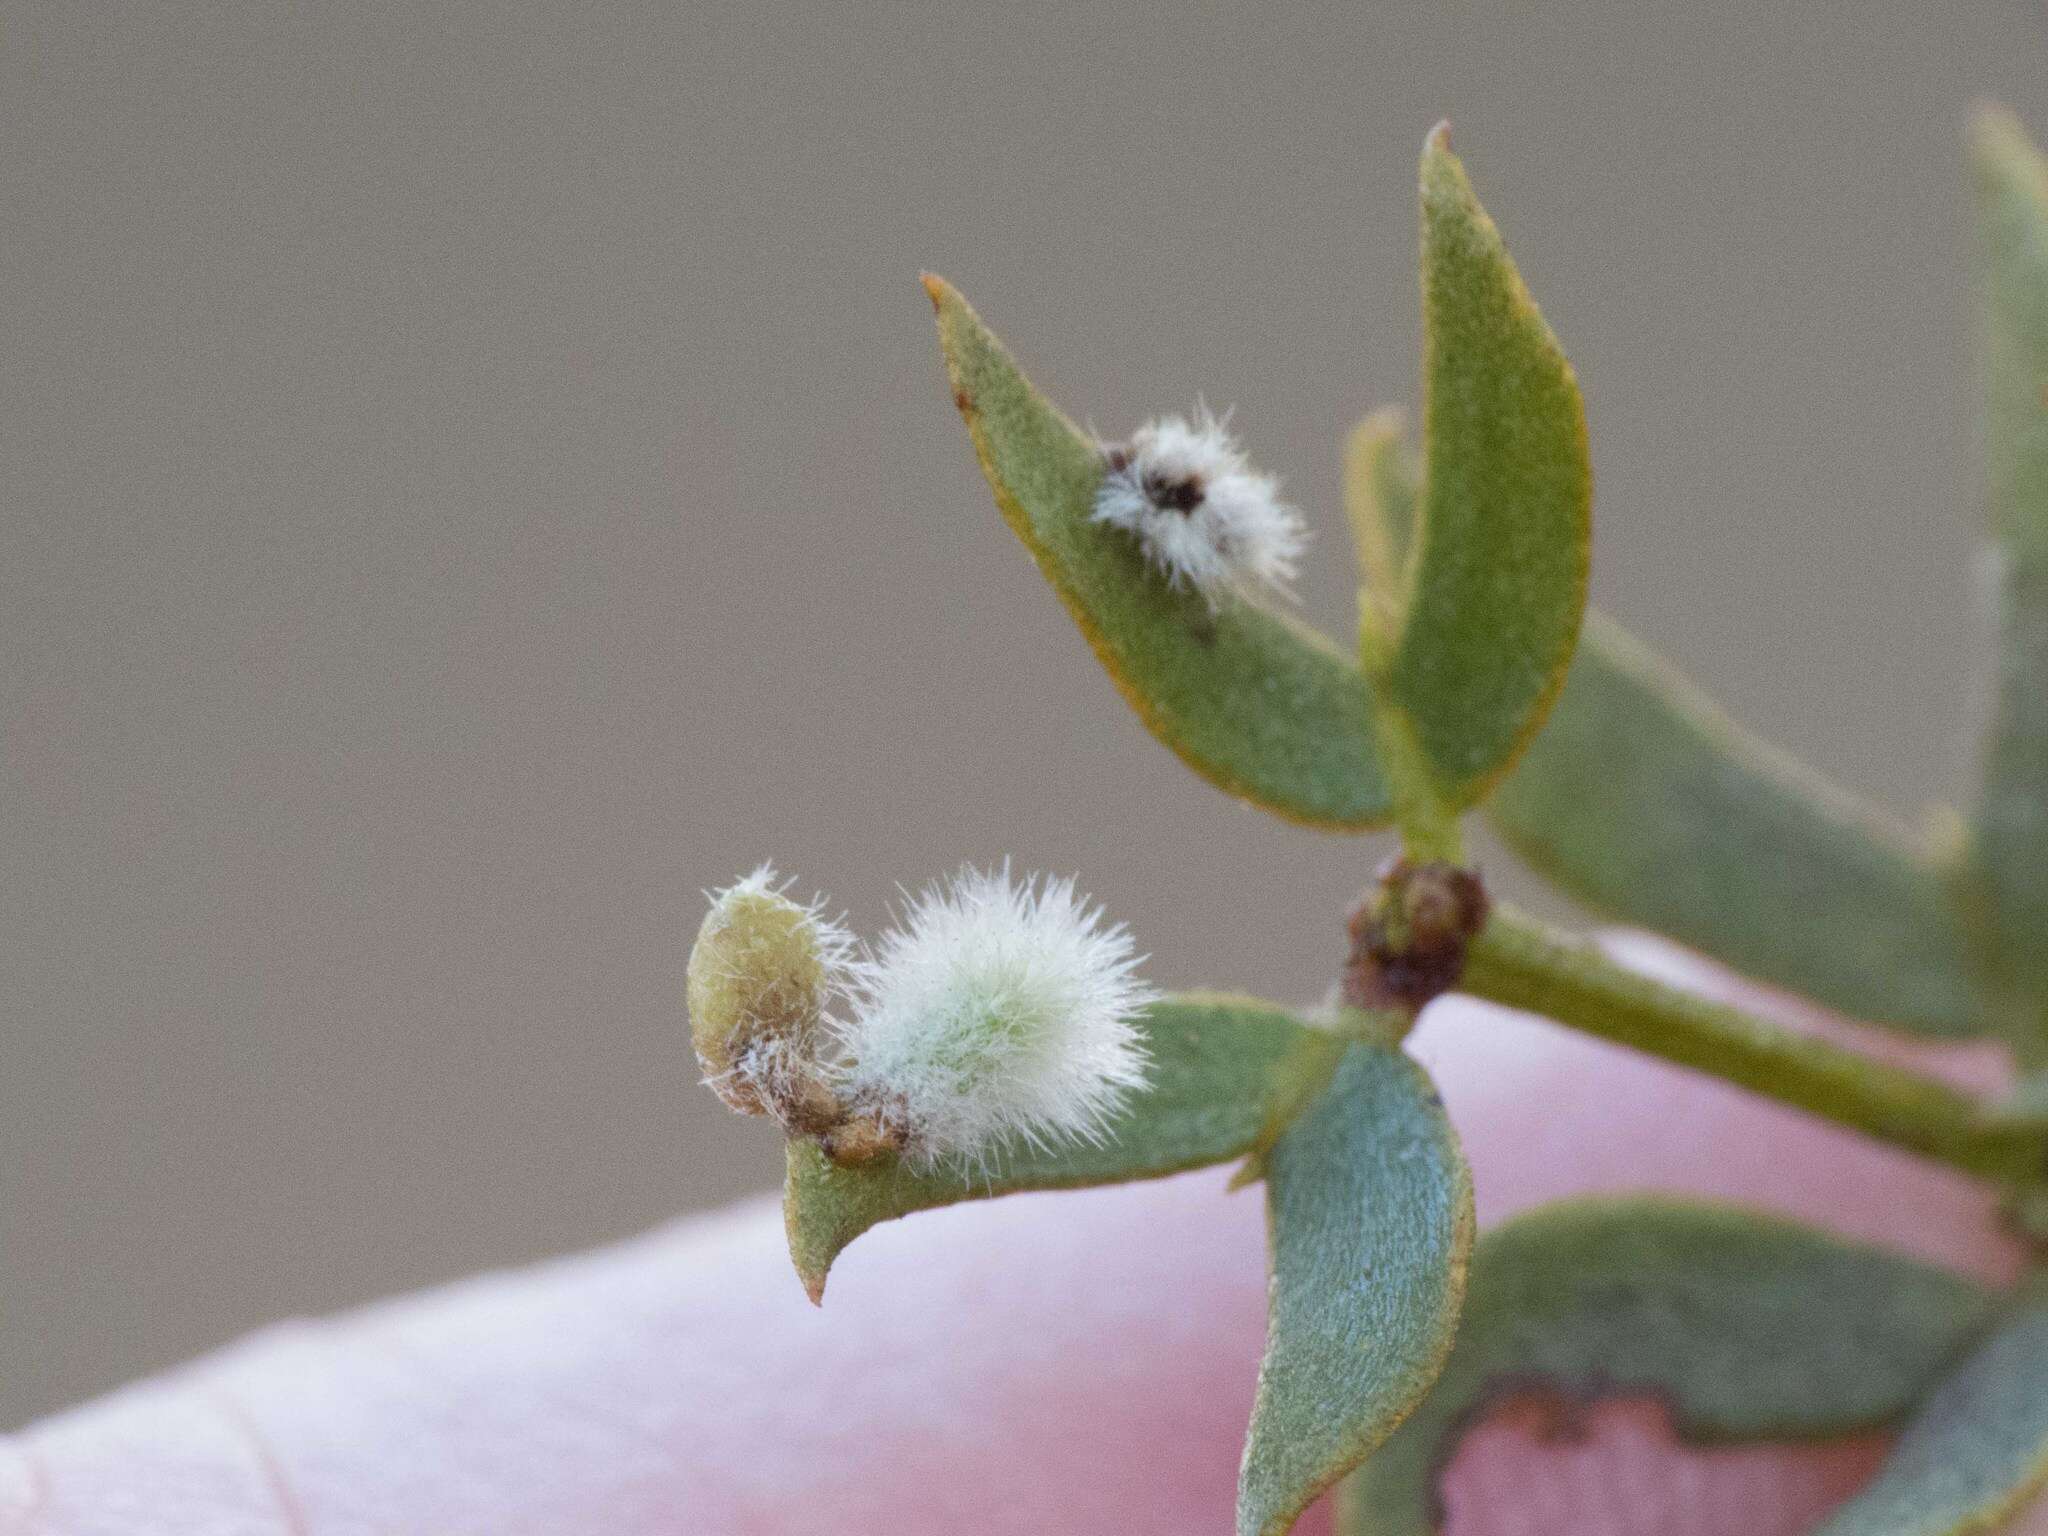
[1518, 962]
[1429, 829]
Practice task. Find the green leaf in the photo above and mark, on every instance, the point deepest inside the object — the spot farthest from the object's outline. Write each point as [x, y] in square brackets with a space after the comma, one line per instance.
[1487, 601]
[1783, 876]
[1504, 542]
[1974, 1451]
[1222, 1067]
[1746, 1326]
[1646, 802]
[1261, 706]
[1382, 484]
[2012, 818]
[1370, 1206]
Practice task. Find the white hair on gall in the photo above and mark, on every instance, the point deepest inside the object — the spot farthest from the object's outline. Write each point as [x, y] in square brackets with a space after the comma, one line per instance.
[996, 1013]
[1203, 515]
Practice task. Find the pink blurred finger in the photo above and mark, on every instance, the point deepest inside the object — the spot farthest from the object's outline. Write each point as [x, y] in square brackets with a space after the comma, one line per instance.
[1071, 1362]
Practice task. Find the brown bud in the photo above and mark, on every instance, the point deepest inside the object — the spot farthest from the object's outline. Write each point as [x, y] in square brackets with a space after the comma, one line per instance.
[806, 1104]
[862, 1138]
[1409, 935]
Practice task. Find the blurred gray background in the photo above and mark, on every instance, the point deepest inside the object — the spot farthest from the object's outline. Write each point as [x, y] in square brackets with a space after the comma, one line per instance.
[475, 475]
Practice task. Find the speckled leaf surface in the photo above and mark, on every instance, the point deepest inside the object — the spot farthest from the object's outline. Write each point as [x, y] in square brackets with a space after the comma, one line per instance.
[1260, 705]
[1220, 1066]
[1370, 1206]
[1745, 1326]
[1975, 1451]
[2012, 818]
[1644, 801]
[1497, 582]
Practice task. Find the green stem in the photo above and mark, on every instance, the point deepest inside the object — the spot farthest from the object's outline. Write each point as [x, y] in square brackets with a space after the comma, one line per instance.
[1517, 962]
[1429, 828]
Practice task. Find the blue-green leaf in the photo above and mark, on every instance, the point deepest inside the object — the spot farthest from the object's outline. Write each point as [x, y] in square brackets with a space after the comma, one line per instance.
[1645, 801]
[1975, 1451]
[1223, 1071]
[1370, 1206]
[1260, 705]
[2012, 818]
[1745, 1326]
[1497, 580]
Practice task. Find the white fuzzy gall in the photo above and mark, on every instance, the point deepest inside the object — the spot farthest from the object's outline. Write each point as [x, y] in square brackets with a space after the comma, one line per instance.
[1203, 515]
[996, 1013]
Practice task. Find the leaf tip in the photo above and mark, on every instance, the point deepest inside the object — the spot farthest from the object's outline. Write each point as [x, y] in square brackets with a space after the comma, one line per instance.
[812, 1261]
[1445, 186]
[2003, 153]
[1374, 432]
[957, 325]
[1993, 126]
[815, 1238]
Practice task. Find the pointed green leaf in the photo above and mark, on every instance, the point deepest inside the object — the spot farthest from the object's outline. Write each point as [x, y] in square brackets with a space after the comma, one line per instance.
[1370, 1207]
[1504, 543]
[1261, 706]
[2012, 820]
[1700, 831]
[1745, 1326]
[1975, 1451]
[1643, 800]
[1221, 1067]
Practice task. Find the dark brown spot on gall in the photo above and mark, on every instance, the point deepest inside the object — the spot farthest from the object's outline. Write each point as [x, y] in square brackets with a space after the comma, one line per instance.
[1409, 935]
[962, 401]
[1117, 459]
[1175, 493]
